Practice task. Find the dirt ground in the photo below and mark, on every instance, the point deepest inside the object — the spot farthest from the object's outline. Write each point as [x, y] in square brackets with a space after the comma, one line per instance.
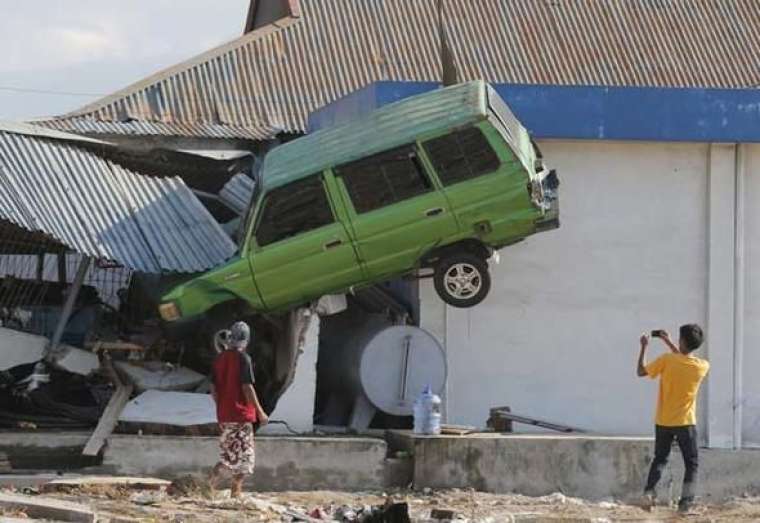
[123, 505]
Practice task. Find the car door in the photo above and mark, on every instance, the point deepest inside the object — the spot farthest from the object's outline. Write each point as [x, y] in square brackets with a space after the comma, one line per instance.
[483, 180]
[300, 250]
[397, 213]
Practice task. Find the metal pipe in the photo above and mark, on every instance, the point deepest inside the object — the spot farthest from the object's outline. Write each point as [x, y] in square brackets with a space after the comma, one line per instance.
[68, 307]
[739, 280]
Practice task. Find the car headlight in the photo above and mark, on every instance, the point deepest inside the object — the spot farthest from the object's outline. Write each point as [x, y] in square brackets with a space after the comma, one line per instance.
[169, 311]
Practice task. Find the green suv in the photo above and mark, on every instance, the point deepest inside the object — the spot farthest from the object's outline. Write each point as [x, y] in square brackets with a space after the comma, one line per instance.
[436, 181]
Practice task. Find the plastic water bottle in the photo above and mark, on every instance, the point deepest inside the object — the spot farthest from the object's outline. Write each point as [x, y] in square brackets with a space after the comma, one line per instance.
[427, 413]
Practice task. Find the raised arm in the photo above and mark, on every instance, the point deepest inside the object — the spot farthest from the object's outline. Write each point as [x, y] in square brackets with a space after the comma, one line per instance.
[641, 370]
[667, 341]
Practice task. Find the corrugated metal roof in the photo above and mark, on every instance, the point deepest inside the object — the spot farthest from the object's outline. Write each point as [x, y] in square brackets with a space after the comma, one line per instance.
[144, 128]
[275, 76]
[391, 126]
[237, 193]
[99, 208]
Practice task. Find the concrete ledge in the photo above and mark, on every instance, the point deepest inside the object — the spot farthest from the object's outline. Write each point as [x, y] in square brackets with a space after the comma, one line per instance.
[282, 463]
[48, 450]
[582, 466]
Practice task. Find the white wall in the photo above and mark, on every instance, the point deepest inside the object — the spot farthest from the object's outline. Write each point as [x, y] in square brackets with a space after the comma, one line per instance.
[751, 361]
[558, 336]
[296, 406]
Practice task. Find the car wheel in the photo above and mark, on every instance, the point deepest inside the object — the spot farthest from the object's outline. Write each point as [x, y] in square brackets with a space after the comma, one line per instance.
[462, 280]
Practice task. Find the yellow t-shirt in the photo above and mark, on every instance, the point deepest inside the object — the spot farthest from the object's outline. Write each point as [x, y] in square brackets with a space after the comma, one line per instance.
[680, 377]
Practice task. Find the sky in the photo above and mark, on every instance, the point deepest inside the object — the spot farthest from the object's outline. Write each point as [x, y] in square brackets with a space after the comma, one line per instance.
[89, 48]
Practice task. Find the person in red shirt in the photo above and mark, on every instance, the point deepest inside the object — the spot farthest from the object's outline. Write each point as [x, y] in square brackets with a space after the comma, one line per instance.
[237, 408]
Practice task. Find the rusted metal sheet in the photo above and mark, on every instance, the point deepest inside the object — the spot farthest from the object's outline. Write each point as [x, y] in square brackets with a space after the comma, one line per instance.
[101, 209]
[273, 77]
[90, 126]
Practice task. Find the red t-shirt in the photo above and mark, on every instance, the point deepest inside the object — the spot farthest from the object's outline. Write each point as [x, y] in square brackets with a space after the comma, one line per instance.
[232, 369]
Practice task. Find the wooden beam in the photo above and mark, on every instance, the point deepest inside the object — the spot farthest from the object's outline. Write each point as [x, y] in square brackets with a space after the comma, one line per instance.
[108, 420]
[68, 307]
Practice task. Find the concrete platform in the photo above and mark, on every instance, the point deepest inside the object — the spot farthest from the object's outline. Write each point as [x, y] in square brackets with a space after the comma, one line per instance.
[590, 467]
[282, 463]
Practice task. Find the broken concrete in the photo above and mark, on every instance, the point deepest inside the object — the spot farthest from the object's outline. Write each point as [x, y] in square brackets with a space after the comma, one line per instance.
[20, 348]
[156, 375]
[180, 409]
[68, 484]
[76, 361]
[46, 508]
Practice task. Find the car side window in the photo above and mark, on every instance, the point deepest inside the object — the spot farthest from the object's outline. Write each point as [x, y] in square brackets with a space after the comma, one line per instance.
[384, 179]
[461, 155]
[293, 209]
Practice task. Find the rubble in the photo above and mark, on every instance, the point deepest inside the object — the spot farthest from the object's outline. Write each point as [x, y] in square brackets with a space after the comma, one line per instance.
[157, 375]
[46, 508]
[85, 482]
[76, 361]
[20, 348]
[182, 409]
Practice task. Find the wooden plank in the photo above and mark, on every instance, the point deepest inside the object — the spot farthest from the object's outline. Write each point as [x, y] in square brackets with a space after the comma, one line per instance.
[457, 430]
[108, 420]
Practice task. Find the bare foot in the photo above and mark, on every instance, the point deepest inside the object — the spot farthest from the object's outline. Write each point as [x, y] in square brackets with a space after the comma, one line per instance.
[237, 486]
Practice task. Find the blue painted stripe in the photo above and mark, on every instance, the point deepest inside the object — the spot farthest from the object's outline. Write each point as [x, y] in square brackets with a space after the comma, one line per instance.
[595, 113]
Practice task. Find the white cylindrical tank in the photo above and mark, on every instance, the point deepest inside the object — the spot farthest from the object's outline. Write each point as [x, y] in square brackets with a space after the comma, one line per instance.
[390, 364]
[396, 365]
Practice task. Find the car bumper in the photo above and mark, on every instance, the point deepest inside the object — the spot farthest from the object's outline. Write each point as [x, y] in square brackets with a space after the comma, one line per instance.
[550, 203]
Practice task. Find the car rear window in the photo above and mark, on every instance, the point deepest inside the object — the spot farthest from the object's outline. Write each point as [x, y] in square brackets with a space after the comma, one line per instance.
[384, 179]
[461, 155]
[293, 209]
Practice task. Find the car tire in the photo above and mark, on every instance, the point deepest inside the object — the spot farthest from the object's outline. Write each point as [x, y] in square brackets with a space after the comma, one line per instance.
[462, 280]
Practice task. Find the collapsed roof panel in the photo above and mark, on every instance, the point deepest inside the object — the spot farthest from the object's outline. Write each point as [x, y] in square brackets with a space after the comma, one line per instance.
[86, 125]
[237, 193]
[51, 185]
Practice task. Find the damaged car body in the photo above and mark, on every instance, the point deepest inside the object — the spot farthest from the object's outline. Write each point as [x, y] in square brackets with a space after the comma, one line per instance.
[437, 181]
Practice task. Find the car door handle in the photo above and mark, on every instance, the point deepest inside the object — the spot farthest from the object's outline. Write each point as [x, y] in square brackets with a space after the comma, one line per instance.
[333, 243]
[434, 212]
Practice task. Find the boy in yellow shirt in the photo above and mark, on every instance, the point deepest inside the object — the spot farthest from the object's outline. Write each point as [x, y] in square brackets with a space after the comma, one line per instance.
[681, 374]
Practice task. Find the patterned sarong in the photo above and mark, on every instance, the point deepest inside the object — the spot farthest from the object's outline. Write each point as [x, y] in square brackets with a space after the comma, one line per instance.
[236, 447]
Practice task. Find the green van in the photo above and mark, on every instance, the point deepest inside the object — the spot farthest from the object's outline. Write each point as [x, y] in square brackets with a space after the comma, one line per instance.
[436, 181]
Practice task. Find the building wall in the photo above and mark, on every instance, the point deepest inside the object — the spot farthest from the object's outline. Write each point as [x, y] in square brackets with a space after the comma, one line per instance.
[751, 346]
[557, 338]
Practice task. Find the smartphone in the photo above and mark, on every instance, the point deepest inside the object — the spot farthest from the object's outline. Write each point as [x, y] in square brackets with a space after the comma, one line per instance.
[658, 333]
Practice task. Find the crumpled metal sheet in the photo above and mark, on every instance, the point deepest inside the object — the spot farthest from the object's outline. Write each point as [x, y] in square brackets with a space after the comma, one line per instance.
[51, 184]
[90, 126]
[237, 193]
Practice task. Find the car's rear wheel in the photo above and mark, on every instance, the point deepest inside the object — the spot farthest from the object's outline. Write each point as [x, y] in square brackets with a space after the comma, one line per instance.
[462, 280]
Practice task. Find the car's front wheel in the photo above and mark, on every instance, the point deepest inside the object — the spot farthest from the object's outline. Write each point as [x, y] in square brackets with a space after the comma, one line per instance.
[462, 279]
